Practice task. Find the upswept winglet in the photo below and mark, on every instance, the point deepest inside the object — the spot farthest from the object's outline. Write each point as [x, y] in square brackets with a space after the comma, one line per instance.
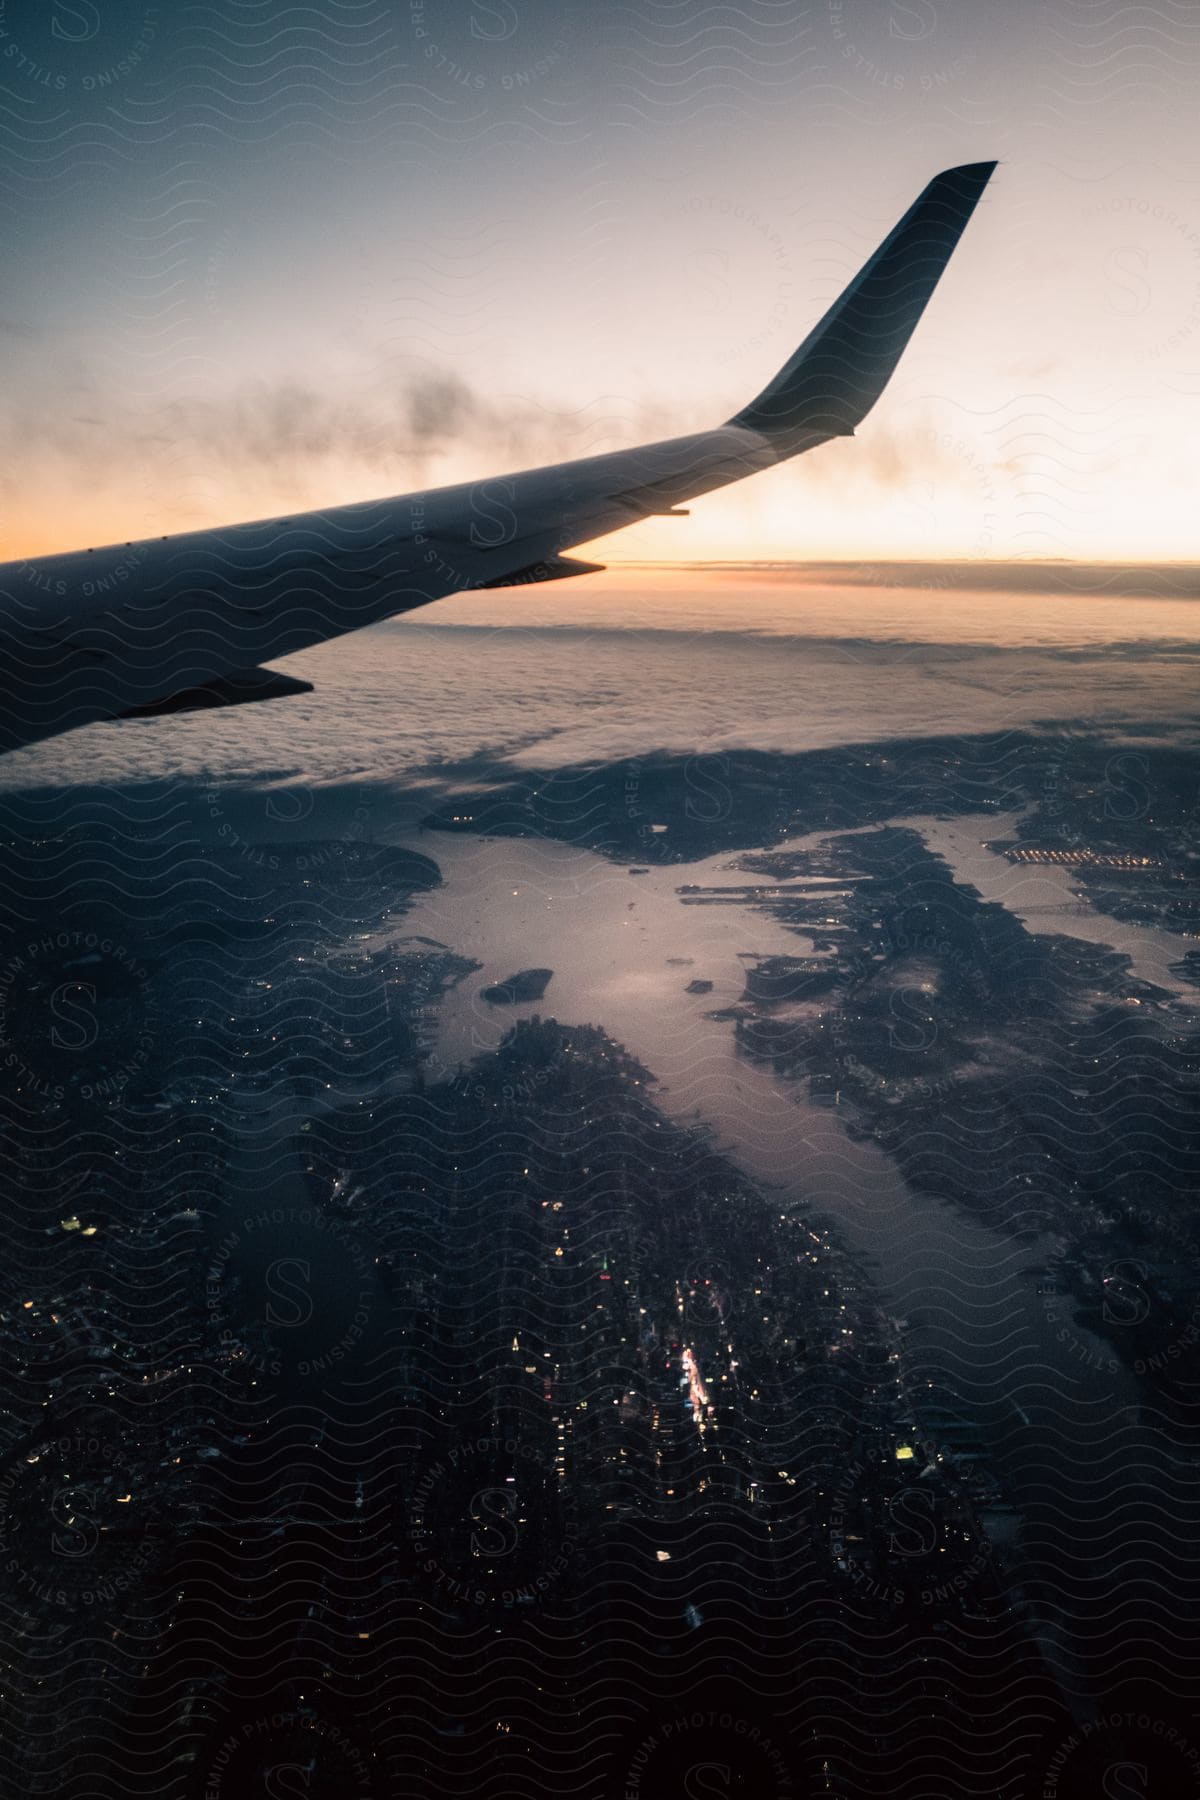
[136, 629]
[834, 379]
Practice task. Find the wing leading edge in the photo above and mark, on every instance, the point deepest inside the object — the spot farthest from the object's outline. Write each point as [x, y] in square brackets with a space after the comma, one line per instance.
[97, 634]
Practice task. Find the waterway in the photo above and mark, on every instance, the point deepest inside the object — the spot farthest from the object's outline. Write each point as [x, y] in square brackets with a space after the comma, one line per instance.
[1042, 894]
[1095, 1484]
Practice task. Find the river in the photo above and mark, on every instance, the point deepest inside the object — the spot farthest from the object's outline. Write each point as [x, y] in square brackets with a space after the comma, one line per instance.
[1062, 1419]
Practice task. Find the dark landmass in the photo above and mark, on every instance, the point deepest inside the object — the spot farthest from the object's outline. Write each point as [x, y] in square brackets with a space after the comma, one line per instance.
[1030, 1079]
[779, 979]
[1188, 967]
[705, 1416]
[665, 808]
[706, 1419]
[526, 985]
[1128, 840]
[610, 1423]
[165, 990]
[185, 955]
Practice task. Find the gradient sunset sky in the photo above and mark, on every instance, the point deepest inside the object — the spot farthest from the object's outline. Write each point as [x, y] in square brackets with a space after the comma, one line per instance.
[262, 257]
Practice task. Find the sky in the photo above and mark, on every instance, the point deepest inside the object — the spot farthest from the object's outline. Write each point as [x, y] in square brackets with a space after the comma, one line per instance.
[261, 257]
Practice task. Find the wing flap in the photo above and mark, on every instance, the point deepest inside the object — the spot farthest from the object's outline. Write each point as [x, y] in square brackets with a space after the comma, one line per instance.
[550, 568]
[240, 689]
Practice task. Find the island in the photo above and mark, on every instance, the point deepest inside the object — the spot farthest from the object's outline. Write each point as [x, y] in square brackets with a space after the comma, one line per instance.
[526, 984]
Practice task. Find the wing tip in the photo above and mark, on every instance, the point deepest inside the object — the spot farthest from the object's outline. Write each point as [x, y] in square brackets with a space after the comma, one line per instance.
[831, 382]
[958, 188]
[974, 171]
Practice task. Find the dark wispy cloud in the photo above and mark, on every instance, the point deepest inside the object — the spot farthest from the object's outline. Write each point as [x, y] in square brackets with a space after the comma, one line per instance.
[294, 429]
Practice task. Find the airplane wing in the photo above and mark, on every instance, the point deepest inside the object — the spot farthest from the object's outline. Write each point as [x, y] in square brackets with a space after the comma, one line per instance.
[175, 622]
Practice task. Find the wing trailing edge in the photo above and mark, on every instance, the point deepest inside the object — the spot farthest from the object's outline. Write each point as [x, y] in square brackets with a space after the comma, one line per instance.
[175, 623]
[239, 689]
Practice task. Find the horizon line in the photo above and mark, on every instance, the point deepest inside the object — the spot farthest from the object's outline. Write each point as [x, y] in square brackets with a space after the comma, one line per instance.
[1173, 580]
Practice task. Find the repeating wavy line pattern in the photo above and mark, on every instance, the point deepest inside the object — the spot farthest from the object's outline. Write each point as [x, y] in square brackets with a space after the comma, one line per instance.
[323, 1579]
[399, 1403]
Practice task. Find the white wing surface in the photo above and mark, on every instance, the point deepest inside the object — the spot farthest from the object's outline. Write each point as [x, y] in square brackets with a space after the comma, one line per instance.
[190, 620]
